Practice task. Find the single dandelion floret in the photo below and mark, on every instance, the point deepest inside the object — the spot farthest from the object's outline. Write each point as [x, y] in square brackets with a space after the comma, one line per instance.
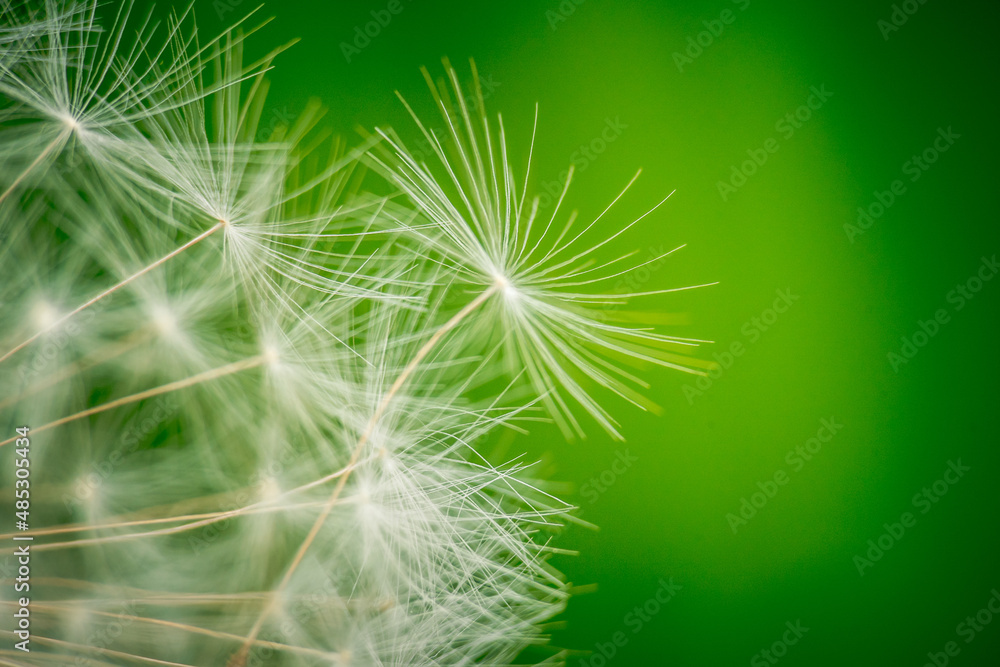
[42, 282]
[226, 179]
[84, 89]
[544, 278]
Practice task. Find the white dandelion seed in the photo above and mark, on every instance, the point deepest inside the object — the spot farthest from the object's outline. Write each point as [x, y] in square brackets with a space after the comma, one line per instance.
[260, 417]
[79, 86]
[483, 231]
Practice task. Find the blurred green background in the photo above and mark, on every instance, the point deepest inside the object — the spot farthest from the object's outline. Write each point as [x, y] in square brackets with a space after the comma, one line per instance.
[612, 68]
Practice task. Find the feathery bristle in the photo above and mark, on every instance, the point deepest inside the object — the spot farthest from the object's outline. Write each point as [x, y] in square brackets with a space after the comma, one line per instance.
[261, 396]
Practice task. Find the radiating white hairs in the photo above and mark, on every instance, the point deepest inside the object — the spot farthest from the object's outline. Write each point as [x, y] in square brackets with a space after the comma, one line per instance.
[259, 395]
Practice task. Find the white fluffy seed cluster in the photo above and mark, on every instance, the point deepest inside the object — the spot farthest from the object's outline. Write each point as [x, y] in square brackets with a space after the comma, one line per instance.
[259, 372]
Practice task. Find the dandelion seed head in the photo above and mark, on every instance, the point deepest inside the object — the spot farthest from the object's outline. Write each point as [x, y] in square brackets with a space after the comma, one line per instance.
[269, 490]
[44, 315]
[272, 356]
[363, 494]
[88, 492]
[165, 322]
[507, 288]
[488, 230]
[71, 122]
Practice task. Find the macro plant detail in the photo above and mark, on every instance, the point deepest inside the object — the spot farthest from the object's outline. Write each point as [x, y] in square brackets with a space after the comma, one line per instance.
[262, 376]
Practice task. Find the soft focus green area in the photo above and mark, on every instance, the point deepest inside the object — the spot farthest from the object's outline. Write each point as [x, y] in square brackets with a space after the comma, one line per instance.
[610, 68]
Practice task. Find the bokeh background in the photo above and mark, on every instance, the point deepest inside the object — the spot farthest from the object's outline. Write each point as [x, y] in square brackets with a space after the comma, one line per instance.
[602, 69]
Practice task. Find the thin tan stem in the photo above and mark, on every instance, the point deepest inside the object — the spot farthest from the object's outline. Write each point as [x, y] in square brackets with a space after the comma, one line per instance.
[103, 651]
[105, 354]
[239, 658]
[174, 599]
[207, 376]
[146, 596]
[56, 143]
[199, 518]
[112, 290]
[210, 518]
[184, 627]
[215, 517]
